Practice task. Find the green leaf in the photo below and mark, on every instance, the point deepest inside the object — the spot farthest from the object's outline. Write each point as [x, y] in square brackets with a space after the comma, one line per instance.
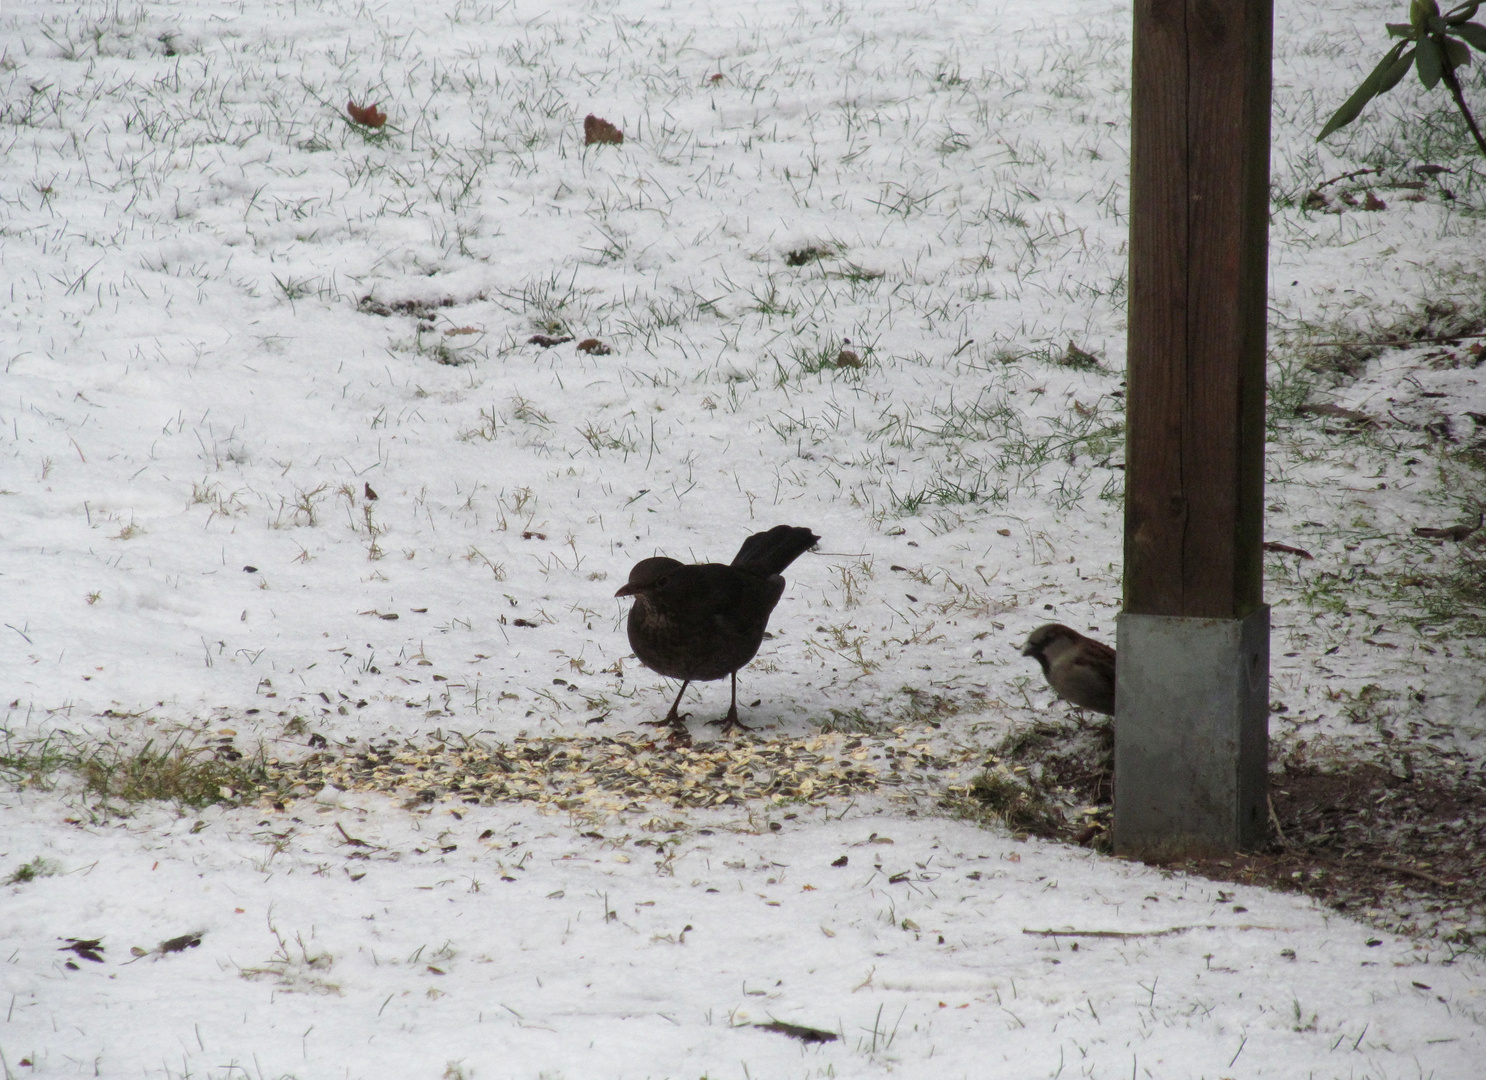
[1400, 29]
[1399, 69]
[1475, 33]
[1463, 13]
[1420, 12]
[1430, 61]
[1456, 53]
[1371, 86]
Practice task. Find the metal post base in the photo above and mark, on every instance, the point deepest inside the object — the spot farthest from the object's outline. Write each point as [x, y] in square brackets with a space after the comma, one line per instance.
[1191, 735]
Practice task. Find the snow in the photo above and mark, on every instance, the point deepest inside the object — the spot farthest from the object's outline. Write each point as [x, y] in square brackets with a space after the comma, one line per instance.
[545, 951]
[195, 407]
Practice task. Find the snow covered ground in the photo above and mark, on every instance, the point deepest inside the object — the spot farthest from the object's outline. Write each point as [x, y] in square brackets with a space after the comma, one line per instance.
[558, 948]
[278, 457]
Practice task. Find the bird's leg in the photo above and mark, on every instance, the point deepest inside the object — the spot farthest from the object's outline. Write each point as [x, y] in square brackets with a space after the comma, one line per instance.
[730, 721]
[672, 719]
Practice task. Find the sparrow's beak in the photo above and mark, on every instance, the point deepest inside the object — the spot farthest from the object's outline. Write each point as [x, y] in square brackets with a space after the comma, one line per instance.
[629, 589]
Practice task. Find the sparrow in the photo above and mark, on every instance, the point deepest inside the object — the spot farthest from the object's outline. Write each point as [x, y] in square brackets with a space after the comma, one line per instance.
[702, 622]
[1079, 669]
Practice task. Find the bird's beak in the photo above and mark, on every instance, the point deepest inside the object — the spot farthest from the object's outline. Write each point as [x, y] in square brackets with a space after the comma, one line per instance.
[629, 589]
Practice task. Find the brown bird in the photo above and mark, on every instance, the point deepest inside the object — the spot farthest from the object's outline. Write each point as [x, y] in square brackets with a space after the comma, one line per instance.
[703, 622]
[1079, 669]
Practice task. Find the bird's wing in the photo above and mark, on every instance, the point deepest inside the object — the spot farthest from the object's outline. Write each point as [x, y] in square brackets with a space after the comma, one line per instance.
[1087, 677]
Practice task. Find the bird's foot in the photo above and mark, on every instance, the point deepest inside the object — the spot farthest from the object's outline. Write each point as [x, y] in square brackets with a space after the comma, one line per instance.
[673, 720]
[729, 723]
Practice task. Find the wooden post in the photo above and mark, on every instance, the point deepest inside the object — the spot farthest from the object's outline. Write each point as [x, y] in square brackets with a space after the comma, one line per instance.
[1191, 718]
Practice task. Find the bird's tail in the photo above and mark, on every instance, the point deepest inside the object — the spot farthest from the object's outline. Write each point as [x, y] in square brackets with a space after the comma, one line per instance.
[768, 553]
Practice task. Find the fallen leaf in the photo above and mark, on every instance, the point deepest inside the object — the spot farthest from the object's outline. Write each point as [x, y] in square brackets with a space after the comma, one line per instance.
[847, 358]
[1351, 416]
[1286, 549]
[546, 342]
[1079, 359]
[798, 1031]
[593, 347]
[179, 944]
[1454, 532]
[87, 948]
[366, 115]
[597, 130]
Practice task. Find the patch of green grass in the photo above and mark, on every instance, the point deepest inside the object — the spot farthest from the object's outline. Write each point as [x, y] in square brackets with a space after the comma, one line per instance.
[183, 771]
[32, 764]
[28, 872]
[769, 301]
[1006, 797]
[190, 775]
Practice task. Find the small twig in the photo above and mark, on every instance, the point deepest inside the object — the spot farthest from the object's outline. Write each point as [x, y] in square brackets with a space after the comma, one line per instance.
[1107, 933]
[349, 838]
[1348, 176]
[1145, 933]
[1401, 341]
[1409, 871]
[1274, 820]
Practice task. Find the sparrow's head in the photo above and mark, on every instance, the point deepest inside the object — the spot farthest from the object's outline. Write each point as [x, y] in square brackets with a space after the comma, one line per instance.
[1049, 636]
[649, 576]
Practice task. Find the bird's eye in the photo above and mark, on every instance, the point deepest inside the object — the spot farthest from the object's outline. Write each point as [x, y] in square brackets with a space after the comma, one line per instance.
[662, 583]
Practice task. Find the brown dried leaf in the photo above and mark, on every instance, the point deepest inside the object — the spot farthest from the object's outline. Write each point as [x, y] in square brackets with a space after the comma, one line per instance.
[594, 347]
[798, 1031]
[598, 130]
[87, 948]
[366, 115]
[1454, 532]
[1286, 549]
[179, 944]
